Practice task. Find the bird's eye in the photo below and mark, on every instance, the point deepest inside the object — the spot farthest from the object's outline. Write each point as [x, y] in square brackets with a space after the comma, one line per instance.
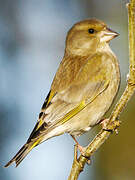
[91, 31]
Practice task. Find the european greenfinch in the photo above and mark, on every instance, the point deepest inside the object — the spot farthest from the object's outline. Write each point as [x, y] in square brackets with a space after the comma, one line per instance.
[83, 88]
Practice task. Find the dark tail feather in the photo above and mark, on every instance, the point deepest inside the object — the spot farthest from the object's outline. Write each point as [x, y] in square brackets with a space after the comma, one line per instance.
[19, 156]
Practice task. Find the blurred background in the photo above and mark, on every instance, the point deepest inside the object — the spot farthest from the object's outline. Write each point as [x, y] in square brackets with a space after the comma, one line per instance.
[32, 37]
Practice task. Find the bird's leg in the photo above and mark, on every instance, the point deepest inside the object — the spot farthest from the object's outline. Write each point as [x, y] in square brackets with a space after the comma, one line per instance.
[82, 150]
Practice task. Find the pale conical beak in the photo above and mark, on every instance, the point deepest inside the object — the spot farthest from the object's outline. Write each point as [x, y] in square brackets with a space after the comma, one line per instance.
[108, 34]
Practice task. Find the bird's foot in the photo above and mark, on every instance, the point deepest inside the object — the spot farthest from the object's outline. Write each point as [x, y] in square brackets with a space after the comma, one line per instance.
[82, 151]
[104, 123]
[112, 127]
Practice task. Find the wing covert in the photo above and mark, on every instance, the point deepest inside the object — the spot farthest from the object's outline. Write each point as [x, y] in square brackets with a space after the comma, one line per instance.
[65, 103]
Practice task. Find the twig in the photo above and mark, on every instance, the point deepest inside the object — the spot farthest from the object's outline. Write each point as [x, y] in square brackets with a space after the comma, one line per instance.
[78, 164]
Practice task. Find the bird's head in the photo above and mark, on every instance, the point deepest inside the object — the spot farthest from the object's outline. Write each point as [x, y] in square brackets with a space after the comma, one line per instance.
[87, 35]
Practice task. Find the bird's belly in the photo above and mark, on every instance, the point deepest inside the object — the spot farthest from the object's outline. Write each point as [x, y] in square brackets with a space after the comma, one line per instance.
[93, 112]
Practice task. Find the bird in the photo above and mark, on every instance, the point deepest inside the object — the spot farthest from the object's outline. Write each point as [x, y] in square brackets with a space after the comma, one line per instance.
[83, 89]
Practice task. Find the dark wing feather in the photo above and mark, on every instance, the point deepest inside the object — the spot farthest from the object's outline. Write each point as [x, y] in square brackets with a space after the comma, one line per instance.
[39, 125]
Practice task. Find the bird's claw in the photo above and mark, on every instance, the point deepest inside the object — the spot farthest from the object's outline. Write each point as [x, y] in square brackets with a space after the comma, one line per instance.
[83, 153]
[111, 127]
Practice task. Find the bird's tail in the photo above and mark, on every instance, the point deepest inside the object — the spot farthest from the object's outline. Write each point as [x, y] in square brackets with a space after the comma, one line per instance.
[22, 153]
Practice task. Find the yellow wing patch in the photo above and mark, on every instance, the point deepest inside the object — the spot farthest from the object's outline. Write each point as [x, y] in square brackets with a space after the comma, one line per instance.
[40, 124]
[46, 103]
[34, 144]
[73, 112]
[50, 97]
[81, 106]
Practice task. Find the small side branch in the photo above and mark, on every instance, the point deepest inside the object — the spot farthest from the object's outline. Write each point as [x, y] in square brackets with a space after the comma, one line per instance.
[78, 164]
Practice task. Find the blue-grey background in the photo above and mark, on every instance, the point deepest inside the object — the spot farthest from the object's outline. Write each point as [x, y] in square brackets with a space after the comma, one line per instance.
[32, 37]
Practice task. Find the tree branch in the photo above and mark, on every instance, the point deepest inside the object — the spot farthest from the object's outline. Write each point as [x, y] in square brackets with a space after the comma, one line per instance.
[78, 164]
